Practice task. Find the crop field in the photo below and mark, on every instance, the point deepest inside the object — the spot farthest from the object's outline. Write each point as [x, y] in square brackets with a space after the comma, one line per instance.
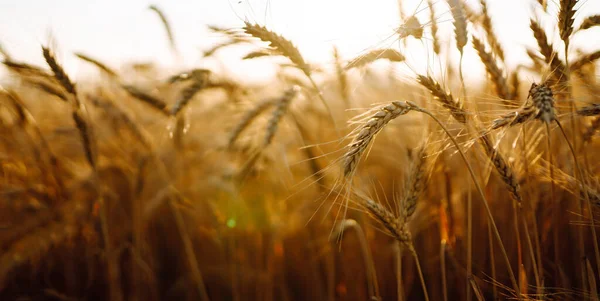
[365, 178]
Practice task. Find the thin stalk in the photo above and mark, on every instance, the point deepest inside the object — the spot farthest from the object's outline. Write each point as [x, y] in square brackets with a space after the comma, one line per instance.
[492, 262]
[419, 271]
[483, 198]
[585, 193]
[443, 269]
[398, 256]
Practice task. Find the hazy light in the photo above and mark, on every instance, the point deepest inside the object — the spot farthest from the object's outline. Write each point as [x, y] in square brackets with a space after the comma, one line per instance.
[118, 31]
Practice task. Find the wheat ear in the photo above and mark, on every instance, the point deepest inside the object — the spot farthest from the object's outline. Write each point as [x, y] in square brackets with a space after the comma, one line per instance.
[367, 133]
[167, 26]
[389, 54]
[590, 22]
[565, 20]
[486, 23]
[154, 102]
[97, 63]
[282, 106]
[493, 70]
[460, 23]
[445, 98]
[434, 28]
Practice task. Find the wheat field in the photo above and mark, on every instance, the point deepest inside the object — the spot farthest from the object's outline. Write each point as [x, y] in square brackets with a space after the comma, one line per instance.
[338, 181]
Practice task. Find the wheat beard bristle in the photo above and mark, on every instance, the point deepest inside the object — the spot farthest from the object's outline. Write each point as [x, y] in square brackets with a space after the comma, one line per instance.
[368, 131]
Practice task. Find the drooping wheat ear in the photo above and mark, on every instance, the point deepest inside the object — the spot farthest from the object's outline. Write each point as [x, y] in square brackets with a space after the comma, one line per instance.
[279, 43]
[460, 23]
[154, 102]
[590, 22]
[550, 55]
[59, 72]
[584, 60]
[493, 70]
[282, 106]
[412, 27]
[86, 137]
[434, 28]
[245, 121]
[97, 63]
[502, 167]
[591, 130]
[445, 98]
[389, 54]
[565, 20]
[367, 133]
[486, 23]
[189, 92]
[341, 76]
[257, 54]
[48, 88]
[389, 221]
[591, 110]
[514, 118]
[543, 100]
[415, 184]
[165, 22]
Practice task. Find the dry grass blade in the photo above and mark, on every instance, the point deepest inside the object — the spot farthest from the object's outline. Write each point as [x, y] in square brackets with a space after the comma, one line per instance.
[591, 110]
[584, 60]
[565, 20]
[486, 22]
[460, 23]
[154, 102]
[279, 43]
[389, 54]
[368, 131]
[445, 98]
[59, 72]
[590, 22]
[493, 70]
[97, 63]
[282, 106]
[165, 22]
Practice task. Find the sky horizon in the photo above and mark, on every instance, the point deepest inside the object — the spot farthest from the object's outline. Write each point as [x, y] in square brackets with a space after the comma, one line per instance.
[127, 31]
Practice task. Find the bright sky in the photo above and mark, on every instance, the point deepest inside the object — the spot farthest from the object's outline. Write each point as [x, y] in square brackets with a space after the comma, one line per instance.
[115, 31]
